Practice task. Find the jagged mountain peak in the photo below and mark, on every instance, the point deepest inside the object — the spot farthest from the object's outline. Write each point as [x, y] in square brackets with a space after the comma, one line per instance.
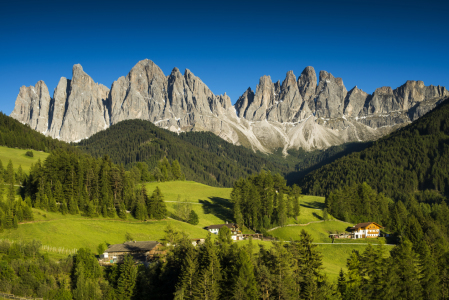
[308, 111]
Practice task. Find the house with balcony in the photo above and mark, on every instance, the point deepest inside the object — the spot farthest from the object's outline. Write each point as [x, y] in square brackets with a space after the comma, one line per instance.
[365, 230]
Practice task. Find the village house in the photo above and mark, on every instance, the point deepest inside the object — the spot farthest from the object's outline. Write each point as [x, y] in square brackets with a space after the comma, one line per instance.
[366, 230]
[236, 234]
[142, 252]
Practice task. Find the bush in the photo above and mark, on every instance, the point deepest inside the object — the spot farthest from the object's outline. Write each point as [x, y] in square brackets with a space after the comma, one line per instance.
[29, 153]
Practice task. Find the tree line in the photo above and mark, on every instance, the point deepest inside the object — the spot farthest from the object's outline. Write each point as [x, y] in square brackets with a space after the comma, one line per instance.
[71, 182]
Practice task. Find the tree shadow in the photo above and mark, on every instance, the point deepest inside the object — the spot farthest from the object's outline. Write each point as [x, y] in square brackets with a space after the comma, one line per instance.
[317, 216]
[314, 205]
[219, 207]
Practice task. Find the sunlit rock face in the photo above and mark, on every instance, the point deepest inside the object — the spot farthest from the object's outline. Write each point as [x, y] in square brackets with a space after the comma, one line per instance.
[300, 112]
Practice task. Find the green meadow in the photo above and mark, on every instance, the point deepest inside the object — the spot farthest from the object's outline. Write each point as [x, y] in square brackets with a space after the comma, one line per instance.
[210, 203]
[18, 158]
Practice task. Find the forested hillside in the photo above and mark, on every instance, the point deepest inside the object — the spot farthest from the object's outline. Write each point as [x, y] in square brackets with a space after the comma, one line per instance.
[14, 134]
[413, 158]
[204, 157]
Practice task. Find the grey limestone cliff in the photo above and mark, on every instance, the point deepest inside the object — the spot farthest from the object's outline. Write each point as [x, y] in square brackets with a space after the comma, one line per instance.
[301, 112]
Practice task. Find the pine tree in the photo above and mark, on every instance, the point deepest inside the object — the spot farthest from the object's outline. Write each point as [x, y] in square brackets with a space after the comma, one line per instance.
[127, 279]
[185, 286]
[430, 281]
[341, 285]
[407, 268]
[53, 207]
[246, 285]
[15, 222]
[63, 207]
[122, 211]
[158, 209]
[73, 207]
[206, 285]
[193, 218]
[176, 170]
[281, 211]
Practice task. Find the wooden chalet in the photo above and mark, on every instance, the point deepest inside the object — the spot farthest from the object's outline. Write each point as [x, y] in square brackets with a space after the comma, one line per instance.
[143, 252]
[366, 230]
[236, 234]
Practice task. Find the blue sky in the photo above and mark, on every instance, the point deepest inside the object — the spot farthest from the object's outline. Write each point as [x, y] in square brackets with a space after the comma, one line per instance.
[229, 45]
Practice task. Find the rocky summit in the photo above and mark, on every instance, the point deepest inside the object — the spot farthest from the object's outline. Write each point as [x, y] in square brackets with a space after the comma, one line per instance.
[300, 112]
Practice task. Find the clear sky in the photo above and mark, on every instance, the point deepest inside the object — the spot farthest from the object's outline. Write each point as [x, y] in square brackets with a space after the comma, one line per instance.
[228, 44]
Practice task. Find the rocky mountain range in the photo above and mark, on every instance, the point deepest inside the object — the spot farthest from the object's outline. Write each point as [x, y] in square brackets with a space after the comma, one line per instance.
[300, 112]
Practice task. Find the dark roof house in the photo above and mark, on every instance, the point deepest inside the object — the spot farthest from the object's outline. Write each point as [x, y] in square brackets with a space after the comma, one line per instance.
[141, 251]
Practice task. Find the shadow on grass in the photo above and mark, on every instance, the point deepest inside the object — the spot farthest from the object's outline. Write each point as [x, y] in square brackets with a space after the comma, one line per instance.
[314, 205]
[317, 216]
[219, 207]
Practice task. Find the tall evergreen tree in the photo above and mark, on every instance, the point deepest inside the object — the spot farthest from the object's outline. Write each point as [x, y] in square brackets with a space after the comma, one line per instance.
[127, 279]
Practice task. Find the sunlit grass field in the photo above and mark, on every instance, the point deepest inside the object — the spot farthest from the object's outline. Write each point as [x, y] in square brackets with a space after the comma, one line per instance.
[210, 203]
[18, 157]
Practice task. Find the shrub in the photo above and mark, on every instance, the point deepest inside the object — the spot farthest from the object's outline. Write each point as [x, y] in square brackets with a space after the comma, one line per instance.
[29, 153]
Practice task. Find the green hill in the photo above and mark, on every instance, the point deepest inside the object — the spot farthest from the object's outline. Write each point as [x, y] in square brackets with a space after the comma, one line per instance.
[203, 156]
[412, 158]
[18, 158]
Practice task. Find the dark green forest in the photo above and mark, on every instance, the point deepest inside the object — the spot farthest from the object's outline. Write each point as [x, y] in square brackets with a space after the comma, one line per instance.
[14, 134]
[204, 157]
[412, 158]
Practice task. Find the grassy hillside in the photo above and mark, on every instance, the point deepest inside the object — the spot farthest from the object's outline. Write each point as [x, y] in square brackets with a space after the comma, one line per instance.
[18, 157]
[210, 203]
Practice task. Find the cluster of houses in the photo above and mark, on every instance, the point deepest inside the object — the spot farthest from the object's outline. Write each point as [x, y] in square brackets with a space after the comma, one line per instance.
[148, 251]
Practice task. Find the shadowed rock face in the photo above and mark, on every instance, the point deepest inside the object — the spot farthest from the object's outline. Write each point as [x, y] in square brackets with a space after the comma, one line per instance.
[300, 112]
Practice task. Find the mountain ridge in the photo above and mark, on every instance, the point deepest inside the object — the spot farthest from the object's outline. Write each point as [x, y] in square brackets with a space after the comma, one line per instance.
[305, 112]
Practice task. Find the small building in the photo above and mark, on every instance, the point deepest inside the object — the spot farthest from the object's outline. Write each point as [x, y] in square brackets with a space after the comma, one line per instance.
[197, 242]
[236, 234]
[366, 230]
[142, 252]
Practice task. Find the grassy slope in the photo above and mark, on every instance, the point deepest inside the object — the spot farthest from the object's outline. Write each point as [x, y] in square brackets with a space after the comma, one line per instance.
[18, 157]
[334, 256]
[212, 207]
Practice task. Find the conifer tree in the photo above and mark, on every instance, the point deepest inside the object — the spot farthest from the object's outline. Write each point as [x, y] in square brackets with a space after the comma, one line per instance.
[73, 207]
[430, 281]
[193, 218]
[53, 207]
[341, 285]
[185, 286]
[406, 266]
[246, 285]
[208, 276]
[157, 209]
[281, 210]
[127, 279]
[176, 170]
[122, 211]
[63, 207]
[15, 223]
